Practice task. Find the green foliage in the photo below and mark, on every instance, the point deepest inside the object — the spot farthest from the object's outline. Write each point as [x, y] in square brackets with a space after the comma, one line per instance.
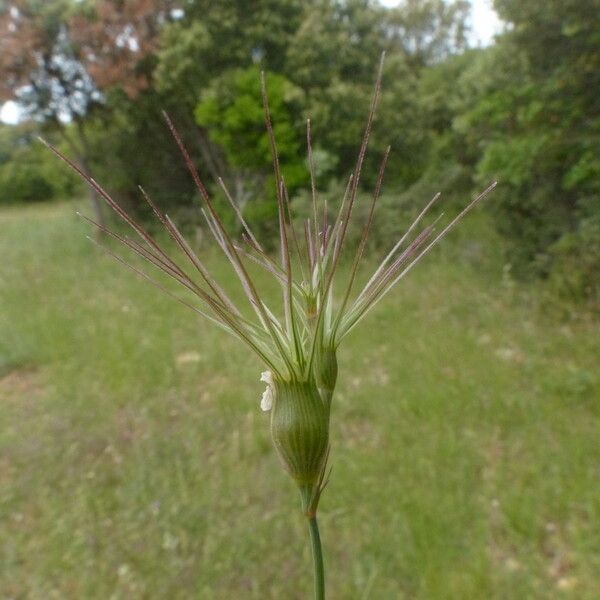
[22, 181]
[534, 115]
[209, 40]
[576, 262]
[395, 210]
[132, 147]
[27, 172]
[333, 58]
[327, 52]
[231, 110]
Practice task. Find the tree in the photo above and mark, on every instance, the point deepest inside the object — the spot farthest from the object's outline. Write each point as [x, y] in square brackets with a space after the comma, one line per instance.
[41, 71]
[333, 58]
[232, 113]
[59, 57]
[116, 40]
[526, 112]
[428, 31]
[211, 44]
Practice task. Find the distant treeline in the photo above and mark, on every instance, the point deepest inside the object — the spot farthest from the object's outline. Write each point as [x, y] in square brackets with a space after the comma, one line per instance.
[95, 76]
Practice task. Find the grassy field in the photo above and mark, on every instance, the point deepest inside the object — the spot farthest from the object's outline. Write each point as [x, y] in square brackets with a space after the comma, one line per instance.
[135, 462]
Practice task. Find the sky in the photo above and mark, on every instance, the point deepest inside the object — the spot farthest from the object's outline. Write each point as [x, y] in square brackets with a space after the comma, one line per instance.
[484, 24]
[484, 20]
[9, 113]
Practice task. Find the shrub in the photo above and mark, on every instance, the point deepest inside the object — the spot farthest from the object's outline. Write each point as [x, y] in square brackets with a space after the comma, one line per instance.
[576, 263]
[27, 173]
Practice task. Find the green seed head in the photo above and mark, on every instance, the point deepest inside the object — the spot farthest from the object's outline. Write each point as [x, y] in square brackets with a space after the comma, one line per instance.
[298, 343]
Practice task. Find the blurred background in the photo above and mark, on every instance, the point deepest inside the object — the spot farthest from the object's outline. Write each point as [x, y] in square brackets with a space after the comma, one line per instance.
[134, 461]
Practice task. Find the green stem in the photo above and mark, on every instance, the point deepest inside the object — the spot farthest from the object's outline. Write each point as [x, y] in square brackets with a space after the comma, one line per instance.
[317, 558]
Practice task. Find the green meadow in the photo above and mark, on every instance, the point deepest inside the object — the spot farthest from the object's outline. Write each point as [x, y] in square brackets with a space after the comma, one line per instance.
[135, 462]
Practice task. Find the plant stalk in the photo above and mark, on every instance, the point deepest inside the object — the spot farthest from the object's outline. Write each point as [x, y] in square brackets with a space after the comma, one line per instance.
[317, 553]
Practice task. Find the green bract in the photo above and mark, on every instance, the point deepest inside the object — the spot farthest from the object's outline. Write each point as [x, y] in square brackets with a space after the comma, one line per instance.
[300, 431]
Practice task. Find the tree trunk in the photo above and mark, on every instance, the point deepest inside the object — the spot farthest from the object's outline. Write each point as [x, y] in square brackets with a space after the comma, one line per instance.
[81, 152]
[95, 200]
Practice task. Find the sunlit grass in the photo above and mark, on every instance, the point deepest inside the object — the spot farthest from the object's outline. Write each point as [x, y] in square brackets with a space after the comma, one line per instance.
[135, 462]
